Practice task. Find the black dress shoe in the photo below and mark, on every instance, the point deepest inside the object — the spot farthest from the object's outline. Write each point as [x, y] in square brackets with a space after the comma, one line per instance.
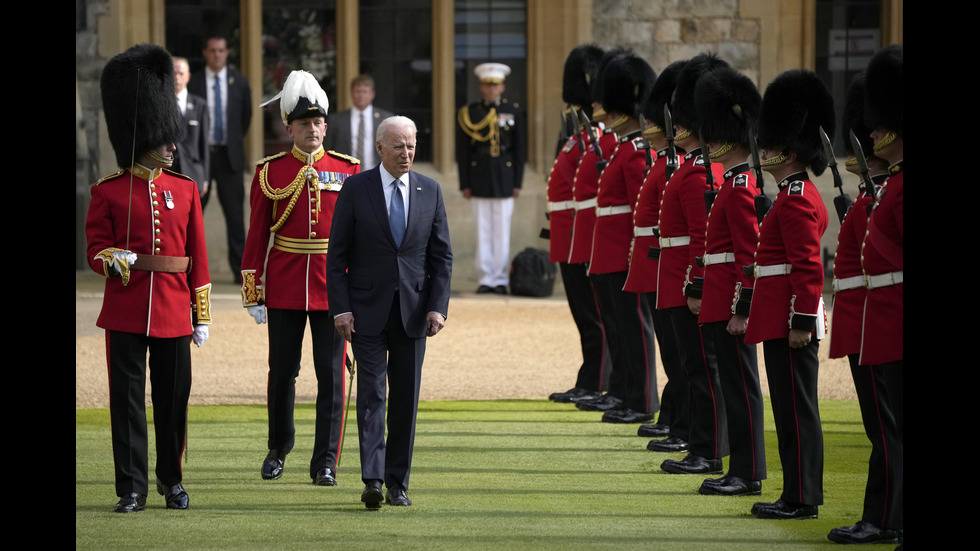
[671, 445]
[272, 465]
[863, 532]
[574, 395]
[658, 430]
[397, 497]
[325, 477]
[787, 511]
[500, 289]
[175, 495]
[760, 504]
[730, 485]
[484, 289]
[130, 503]
[692, 464]
[605, 402]
[372, 496]
[625, 415]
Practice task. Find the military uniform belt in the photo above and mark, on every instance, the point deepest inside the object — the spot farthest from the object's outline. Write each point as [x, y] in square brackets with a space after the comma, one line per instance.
[846, 283]
[160, 263]
[300, 246]
[885, 280]
[587, 204]
[718, 258]
[646, 231]
[613, 210]
[556, 206]
[773, 270]
[667, 242]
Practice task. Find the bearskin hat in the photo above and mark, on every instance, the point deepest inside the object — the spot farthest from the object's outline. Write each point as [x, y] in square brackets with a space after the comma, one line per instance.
[580, 72]
[883, 107]
[728, 105]
[140, 102]
[627, 82]
[598, 83]
[661, 93]
[796, 104]
[853, 118]
[683, 110]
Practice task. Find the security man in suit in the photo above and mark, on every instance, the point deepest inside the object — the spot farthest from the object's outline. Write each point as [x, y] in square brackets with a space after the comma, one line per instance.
[193, 158]
[353, 130]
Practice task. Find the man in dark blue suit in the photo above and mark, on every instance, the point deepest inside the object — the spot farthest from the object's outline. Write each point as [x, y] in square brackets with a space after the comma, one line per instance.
[389, 266]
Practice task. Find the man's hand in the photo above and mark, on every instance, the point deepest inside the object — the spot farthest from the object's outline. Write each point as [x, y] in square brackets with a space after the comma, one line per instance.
[517, 192]
[798, 338]
[694, 305]
[257, 311]
[467, 194]
[737, 325]
[345, 326]
[434, 322]
[200, 335]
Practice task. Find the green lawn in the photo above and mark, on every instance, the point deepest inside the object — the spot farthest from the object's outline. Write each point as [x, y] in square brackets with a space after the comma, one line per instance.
[511, 474]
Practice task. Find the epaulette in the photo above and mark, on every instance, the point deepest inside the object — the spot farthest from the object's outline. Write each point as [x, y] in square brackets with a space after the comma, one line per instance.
[638, 143]
[795, 187]
[114, 175]
[348, 158]
[742, 180]
[179, 175]
[270, 158]
[698, 161]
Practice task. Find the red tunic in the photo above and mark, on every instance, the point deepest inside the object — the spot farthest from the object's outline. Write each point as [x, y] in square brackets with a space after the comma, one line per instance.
[642, 276]
[619, 186]
[294, 280]
[561, 202]
[845, 332]
[883, 332]
[683, 215]
[732, 228]
[790, 234]
[584, 189]
[165, 220]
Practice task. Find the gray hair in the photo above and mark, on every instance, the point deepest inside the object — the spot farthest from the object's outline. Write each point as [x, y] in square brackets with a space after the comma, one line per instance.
[395, 122]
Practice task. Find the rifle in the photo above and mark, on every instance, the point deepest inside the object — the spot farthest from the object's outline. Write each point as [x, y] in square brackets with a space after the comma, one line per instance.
[711, 193]
[843, 201]
[644, 144]
[673, 163]
[600, 165]
[762, 202]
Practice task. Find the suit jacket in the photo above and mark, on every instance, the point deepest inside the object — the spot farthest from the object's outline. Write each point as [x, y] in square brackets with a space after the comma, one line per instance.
[364, 267]
[238, 109]
[338, 137]
[193, 159]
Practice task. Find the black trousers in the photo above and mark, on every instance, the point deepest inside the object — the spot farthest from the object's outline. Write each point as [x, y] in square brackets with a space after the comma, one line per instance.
[738, 372]
[286, 330]
[170, 388]
[231, 196]
[593, 374]
[630, 324]
[394, 357]
[709, 422]
[792, 374]
[884, 494]
[674, 408]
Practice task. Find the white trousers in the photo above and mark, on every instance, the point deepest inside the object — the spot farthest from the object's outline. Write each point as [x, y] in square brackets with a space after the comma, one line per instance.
[492, 216]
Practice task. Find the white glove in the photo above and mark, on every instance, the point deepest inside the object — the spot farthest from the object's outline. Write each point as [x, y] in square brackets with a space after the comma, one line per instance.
[200, 335]
[258, 312]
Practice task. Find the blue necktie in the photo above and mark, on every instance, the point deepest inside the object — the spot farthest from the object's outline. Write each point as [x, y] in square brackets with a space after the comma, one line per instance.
[396, 213]
[219, 124]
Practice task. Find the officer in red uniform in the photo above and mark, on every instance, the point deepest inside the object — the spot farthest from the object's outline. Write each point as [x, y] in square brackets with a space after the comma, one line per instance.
[728, 104]
[787, 312]
[882, 517]
[146, 236]
[292, 199]
[593, 375]
[626, 84]
[683, 215]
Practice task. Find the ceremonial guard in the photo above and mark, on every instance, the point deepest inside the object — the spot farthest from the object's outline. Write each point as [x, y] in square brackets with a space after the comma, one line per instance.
[882, 517]
[292, 199]
[593, 375]
[787, 311]
[683, 216]
[626, 83]
[728, 106]
[645, 252]
[490, 145]
[146, 236]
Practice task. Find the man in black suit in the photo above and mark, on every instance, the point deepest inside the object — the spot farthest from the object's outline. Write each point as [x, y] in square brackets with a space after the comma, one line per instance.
[389, 283]
[192, 157]
[229, 101]
[353, 131]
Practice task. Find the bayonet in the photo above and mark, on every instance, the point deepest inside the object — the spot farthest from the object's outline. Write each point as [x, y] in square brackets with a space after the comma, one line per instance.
[644, 143]
[843, 201]
[709, 177]
[762, 202]
[600, 164]
[673, 163]
[862, 161]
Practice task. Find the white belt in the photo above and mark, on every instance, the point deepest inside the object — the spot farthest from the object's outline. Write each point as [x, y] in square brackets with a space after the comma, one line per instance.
[773, 270]
[885, 280]
[718, 258]
[610, 211]
[555, 206]
[645, 231]
[846, 283]
[587, 204]
[667, 242]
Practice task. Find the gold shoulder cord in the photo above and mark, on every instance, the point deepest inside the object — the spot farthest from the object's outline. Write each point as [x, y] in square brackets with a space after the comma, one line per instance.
[292, 191]
[473, 130]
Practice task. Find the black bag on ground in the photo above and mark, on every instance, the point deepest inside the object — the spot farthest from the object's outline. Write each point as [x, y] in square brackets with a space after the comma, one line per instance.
[531, 274]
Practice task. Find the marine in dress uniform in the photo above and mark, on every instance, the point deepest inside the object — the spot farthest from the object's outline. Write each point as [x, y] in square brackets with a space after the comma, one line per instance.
[146, 236]
[490, 154]
[593, 375]
[626, 83]
[683, 216]
[728, 105]
[882, 517]
[787, 312]
[292, 199]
